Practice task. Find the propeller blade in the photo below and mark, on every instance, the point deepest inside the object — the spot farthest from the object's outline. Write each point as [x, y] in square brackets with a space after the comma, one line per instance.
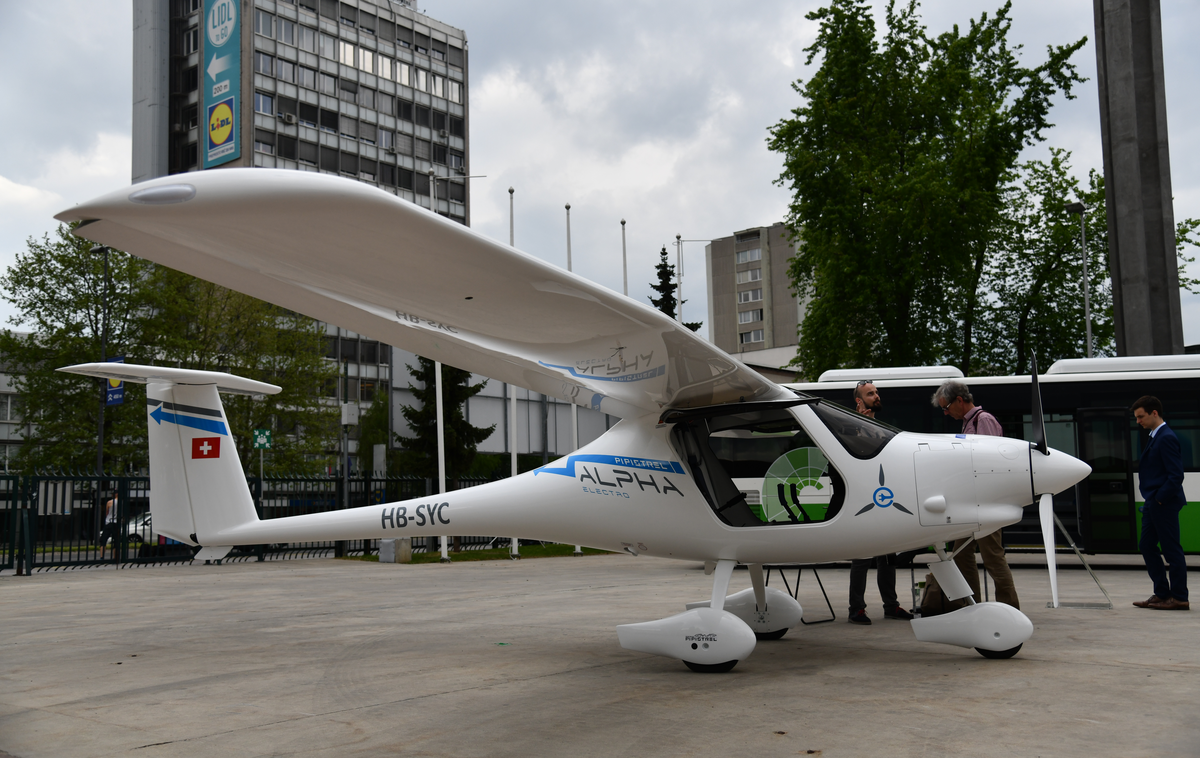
[1039, 420]
[1046, 513]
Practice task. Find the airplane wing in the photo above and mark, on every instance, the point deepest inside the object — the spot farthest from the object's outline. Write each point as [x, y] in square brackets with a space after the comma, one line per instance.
[353, 255]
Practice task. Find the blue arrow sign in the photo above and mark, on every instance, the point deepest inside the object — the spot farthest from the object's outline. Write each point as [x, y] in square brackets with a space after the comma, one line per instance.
[203, 424]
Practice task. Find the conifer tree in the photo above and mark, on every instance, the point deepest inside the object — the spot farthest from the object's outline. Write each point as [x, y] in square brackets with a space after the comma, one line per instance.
[462, 439]
[665, 287]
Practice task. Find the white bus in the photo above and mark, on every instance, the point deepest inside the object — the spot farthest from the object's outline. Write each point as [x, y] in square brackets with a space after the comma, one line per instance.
[1086, 406]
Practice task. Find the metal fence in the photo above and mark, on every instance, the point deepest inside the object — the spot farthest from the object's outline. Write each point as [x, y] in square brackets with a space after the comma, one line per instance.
[57, 521]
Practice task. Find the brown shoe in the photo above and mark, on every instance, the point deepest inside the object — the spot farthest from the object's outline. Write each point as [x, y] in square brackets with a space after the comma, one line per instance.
[1148, 602]
[1171, 604]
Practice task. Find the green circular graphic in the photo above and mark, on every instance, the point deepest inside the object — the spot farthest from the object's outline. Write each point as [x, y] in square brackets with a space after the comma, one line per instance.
[793, 485]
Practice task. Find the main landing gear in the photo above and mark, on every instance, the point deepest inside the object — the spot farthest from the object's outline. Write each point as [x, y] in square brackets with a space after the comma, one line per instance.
[711, 636]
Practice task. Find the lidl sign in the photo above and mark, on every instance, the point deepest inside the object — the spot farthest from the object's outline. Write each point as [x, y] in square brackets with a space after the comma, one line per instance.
[222, 71]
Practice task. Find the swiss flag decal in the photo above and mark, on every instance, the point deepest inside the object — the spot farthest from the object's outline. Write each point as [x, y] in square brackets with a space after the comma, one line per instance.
[206, 447]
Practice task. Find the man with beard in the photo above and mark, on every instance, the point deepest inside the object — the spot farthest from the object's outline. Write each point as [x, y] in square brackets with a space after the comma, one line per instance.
[868, 403]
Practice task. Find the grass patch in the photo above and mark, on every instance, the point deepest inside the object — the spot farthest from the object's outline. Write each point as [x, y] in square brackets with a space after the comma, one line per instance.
[501, 554]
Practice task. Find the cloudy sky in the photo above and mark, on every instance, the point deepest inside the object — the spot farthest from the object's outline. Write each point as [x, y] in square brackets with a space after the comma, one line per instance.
[655, 112]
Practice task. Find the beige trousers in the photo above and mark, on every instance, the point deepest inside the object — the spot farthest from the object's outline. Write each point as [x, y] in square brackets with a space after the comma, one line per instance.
[992, 549]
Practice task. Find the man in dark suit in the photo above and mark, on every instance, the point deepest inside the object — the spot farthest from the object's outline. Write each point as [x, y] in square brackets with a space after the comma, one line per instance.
[1160, 479]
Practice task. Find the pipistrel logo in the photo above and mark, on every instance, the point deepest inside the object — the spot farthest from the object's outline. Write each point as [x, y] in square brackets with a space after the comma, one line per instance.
[883, 497]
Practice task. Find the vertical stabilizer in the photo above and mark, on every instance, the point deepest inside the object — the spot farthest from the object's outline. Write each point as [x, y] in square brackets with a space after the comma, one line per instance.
[197, 484]
[192, 452]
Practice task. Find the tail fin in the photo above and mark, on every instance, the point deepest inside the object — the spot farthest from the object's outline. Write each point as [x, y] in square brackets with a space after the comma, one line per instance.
[198, 487]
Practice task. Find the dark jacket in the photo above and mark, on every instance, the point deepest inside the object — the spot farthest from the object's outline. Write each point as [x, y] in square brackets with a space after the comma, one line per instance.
[1160, 469]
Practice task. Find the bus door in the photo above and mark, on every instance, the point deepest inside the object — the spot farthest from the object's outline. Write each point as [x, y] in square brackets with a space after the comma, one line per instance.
[1107, 522]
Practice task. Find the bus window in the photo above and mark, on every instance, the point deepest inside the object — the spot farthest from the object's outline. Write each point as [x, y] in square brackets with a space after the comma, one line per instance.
[861, 436]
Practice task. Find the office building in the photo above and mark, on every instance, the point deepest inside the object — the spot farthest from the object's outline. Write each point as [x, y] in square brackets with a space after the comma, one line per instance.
[753, 313]
[372, 90]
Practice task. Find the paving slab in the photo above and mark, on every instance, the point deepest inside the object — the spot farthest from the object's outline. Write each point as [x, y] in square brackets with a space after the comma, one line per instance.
[350, 658]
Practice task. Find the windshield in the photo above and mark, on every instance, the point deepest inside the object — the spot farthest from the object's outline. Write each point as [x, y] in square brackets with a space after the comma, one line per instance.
[861, 436]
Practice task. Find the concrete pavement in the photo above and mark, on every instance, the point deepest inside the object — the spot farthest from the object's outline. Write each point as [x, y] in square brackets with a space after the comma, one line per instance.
[348, 658]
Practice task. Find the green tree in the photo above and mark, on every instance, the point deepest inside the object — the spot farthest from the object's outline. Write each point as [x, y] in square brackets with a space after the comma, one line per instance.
[59, 289]
[461, 438]
[201, 325]
[1034, 273]
[897, 162]
[665, 287]
[161, 317]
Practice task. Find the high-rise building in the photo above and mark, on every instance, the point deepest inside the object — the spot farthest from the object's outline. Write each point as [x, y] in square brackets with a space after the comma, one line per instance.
[753, 313]
[372, 90]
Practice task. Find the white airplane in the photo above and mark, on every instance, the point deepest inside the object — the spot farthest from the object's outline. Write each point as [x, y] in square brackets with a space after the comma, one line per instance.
[836, 485]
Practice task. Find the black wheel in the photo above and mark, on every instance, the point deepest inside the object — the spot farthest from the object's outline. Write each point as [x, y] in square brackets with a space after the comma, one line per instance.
[711, 668]
[998, 653]
[775, 635]
[135, 539]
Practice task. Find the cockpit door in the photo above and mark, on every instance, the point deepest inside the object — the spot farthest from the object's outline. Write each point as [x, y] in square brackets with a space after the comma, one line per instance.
[945, 483]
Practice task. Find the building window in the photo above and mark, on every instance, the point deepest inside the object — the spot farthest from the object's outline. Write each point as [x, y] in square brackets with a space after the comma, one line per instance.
[746, 338]
[264, 64]
[404, 145]
[404, 110]
[753, 275]
[264, 24]
[308, 114]
[286, 71]
[347, 90]
[747, 236]
[750, 296]
[366, 97]
[748, 317]
[191, 41]
[189, 117]
[386, 139]
[264, 103]
[328, 47]
[454, 91]
[422, 80]
[264, 142]
[345, 53]
[367, 132]
[456, 127]
[745, 256]
[437, 85]
[308, 39]
[454, 159]
[421, 116]
[308, 77]
[422, 149]
[308, 153]
[403, 74]
[349, 128]
[328, 84]
[329, 121]
[439, 154]
[285, 147]
[287, 31]
[366, 60]
[385, 67]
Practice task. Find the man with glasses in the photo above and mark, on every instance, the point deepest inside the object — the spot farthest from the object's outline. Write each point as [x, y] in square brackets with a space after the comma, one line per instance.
[955, 400]
[867, 402]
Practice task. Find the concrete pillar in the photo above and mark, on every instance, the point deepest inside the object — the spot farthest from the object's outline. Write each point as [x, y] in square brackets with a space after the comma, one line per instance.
[1137, 177]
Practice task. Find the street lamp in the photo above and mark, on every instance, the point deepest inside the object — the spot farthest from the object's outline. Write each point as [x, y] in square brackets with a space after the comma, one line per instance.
[679, 240]
[97, 250]
[434, 179]
[1080, 208]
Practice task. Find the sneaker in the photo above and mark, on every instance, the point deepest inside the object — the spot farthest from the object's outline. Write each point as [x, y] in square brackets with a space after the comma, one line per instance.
[860, 617]
[897, 613]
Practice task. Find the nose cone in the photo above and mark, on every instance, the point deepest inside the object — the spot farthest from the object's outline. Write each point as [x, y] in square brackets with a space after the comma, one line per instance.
[1055, 472]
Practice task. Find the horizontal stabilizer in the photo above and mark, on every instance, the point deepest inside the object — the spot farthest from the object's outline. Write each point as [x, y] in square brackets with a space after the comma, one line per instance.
[129, 372]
